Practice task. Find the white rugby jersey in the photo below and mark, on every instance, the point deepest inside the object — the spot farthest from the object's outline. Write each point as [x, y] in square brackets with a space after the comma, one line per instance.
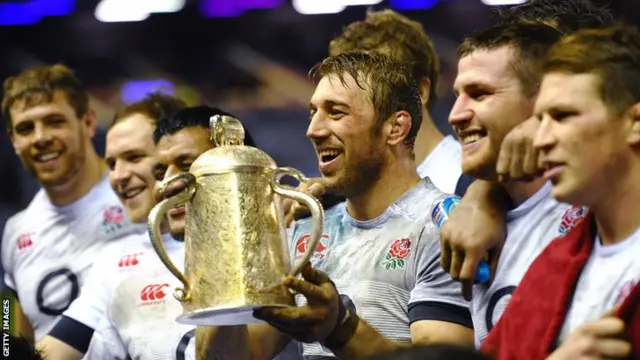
[608, 277]
[530, 228]
[443, 165]
[140, 320]
[133, 256]
[387, 269]
[47, 251]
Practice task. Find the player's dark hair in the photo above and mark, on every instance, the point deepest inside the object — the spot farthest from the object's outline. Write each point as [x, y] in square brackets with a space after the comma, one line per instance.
[531, 42]
[196, 116]
[21, 348]
[154, 106]
[567, 16]
[431, 352]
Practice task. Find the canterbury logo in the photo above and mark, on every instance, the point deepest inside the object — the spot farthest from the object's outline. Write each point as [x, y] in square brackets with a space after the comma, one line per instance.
[153, 292]
[129, 260]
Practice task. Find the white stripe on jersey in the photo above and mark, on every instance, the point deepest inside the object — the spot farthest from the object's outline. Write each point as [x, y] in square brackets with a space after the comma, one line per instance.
[47, 251]
[530, 228]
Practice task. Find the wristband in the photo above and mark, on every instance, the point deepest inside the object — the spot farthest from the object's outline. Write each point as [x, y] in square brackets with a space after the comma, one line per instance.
[344, 330]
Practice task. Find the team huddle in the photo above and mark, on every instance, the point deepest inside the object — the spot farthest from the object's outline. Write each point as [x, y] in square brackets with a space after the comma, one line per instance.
[546, 164]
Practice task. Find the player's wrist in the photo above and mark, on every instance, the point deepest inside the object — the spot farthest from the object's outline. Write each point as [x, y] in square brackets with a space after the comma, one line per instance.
[344, 330]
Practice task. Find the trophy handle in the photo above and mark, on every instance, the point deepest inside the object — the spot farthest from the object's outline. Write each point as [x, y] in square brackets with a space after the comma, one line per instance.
[314, 205]
[156, 216]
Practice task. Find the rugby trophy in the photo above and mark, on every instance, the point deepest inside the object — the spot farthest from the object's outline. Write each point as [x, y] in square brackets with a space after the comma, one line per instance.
[236, 252]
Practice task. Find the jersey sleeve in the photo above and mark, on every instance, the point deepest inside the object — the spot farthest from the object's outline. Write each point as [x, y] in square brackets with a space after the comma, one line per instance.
[106, 343]
[95, 294]
[7, 260]
[436, 296]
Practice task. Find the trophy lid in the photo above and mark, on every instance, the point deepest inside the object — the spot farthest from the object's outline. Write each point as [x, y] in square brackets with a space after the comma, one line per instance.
[230, 153]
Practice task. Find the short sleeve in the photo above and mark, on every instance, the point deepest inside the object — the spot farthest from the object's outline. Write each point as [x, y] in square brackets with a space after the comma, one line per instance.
[106, 343]
[436, 296]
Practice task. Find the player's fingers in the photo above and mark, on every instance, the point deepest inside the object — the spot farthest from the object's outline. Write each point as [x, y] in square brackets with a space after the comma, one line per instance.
[290, 317]
[503, 166]
[530, 163]
[519, 150]
[612, 312]
[605, 327]
[468, 274]
[314, 276]
[612, 348]
[316, 189]
[445, 254]
[457, 258]
[311, 291]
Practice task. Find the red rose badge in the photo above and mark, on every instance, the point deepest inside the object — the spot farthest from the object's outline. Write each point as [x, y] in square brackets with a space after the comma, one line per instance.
[398, 251]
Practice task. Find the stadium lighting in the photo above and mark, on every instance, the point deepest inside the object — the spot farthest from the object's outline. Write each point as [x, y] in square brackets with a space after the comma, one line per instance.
[315, 7]
[503, 2]
[138, 10]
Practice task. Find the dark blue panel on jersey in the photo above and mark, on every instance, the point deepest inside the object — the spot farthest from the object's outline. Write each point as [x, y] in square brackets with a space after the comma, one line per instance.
[73, 333]
[431, 310]
[463, 183]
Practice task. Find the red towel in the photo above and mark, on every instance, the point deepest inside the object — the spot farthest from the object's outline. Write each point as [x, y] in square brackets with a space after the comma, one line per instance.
[529, 327]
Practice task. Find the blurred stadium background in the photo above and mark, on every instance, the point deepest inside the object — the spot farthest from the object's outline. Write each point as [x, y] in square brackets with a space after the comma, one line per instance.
[249, 57]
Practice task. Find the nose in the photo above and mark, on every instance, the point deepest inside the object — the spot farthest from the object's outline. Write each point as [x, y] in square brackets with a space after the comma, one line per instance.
[460, 113]
[120, 175]
[318, 129]
[42, 136]
[544, 138]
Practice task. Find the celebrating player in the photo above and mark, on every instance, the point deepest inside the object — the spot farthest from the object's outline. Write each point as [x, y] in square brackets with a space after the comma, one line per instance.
[380, 247]
[49, 248]
[130, 156]
[499, 73]
[140, 320]
[477, 227]
[589, 138]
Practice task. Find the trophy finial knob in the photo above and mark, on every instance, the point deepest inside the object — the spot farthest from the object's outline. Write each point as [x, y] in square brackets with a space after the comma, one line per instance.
[226, 130]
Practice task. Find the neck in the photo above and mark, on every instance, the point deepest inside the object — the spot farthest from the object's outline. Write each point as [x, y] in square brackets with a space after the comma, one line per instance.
[427, 139]
[394, 182]
[520, 191]
[81, 183]
[617, 214]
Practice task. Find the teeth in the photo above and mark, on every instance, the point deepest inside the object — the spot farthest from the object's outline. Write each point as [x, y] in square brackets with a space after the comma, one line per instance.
[329, 153]
[47, 157]
[471, 138]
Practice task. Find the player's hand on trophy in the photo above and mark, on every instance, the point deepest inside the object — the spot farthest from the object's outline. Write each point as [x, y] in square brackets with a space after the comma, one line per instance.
[600, 339]
[518, 159]
[474, 230]
[317, 319]
[293, 210]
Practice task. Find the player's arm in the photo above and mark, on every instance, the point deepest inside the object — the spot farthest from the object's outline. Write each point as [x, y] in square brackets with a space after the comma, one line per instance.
[474, 229]
[25, 329]
[106, 343]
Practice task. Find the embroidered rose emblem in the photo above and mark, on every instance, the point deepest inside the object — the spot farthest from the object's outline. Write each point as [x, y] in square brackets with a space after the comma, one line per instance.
[398, 251]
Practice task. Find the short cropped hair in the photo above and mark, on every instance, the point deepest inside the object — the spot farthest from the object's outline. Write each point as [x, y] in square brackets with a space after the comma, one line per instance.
[392, 34]
[531, 42]
[154, 106]
[389, 84]
[611, 53]
[37, 84]
[567, 16]
[195, 116]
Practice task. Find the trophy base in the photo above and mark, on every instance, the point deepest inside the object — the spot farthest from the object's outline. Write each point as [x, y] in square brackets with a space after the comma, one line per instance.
[223, 317]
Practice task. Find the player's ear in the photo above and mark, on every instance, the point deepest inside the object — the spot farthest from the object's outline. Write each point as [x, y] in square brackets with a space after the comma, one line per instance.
[399, 127]
[633, 136]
